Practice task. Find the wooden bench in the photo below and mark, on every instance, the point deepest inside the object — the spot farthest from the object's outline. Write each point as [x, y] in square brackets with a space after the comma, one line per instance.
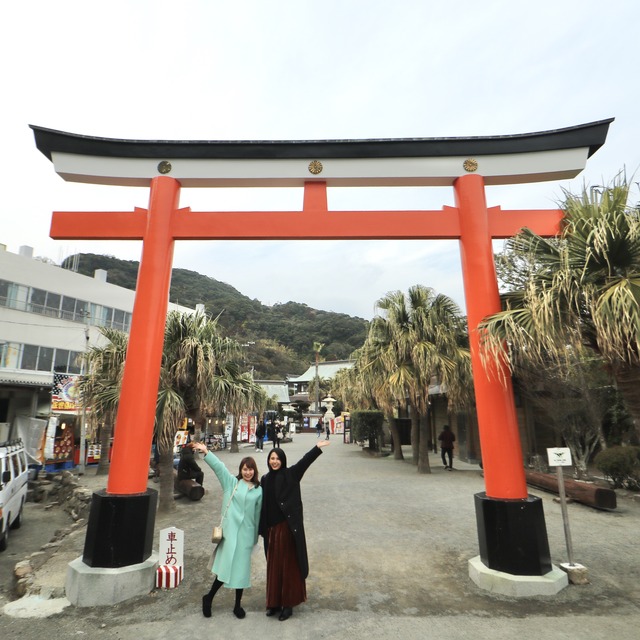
[189, 488]
[589, 494]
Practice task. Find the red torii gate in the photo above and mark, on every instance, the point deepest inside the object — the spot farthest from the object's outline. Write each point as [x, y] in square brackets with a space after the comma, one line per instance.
[510, 522]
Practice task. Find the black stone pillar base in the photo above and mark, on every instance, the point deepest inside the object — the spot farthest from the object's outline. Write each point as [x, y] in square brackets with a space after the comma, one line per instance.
[120, 529]
[512, 535]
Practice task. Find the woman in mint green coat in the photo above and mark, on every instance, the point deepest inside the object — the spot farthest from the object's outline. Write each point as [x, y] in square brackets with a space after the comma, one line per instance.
[242, 500]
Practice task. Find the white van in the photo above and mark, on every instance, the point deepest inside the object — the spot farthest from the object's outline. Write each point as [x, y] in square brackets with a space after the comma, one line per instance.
[14, 477]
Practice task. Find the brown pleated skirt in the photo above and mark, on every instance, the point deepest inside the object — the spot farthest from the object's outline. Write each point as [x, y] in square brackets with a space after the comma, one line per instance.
[285, 586]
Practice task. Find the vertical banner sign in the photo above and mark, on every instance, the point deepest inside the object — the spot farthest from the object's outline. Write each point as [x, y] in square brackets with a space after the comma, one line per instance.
[50, 438]
[171, 556]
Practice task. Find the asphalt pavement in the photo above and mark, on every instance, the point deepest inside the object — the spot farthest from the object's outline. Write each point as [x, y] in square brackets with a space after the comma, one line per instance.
[388, 552]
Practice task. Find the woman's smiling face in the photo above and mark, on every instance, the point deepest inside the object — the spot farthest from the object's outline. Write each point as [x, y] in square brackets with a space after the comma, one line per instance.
[274, 461]
[247, 473]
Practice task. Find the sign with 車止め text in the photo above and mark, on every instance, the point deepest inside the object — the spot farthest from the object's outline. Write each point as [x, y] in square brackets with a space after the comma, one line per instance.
[171, 547]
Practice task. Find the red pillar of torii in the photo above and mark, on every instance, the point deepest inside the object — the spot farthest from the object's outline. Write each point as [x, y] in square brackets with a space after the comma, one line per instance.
[500, 509]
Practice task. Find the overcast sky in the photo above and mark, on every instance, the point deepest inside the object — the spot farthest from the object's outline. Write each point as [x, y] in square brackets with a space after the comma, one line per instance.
[297, 69]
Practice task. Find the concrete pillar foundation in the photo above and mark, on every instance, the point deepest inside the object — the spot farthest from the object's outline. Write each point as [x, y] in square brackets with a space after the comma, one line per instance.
[517, 586]
[87, 586]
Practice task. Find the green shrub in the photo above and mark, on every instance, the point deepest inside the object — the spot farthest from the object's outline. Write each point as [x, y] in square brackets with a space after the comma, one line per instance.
[367, 425]
[621, 466]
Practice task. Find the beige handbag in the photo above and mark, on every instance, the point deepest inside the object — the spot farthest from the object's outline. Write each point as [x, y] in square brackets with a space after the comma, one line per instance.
[216, 534]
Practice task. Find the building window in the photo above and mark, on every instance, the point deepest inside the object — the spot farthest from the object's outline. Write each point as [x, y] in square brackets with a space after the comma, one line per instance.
[68, 308]
[61, 361]
[100, 315]
[17, 296]
[75, 362]
[82, 311]
[4, 293]
[118, 319]
[29, 359]
[53, 304]
[37, 300]
[9, 355]
[45, 358]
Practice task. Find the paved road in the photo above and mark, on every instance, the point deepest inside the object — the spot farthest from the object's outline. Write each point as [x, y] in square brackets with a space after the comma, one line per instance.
[388, 554]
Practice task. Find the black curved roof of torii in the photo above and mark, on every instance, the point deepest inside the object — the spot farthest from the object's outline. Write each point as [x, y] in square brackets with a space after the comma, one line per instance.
[591, 135]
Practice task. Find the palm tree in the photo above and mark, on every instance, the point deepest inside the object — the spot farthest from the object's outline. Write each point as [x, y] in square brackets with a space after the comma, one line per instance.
[319, 387]
[417, 337]
[100, 387]
[364, 386]
[200, 375]
[582, 289]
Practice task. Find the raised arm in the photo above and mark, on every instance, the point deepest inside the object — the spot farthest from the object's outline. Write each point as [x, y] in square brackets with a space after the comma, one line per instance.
[300, 467]
[225, 477]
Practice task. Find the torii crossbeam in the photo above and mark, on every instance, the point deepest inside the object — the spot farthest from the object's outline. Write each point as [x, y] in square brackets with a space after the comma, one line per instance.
[511, 528]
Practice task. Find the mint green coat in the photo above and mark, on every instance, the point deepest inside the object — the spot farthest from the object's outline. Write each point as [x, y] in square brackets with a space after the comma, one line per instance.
[232, 564]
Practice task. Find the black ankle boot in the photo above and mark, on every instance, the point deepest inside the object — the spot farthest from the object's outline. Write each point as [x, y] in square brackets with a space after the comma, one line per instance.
[206, 606]
[287, 612]
[273, 610]
[239, 612]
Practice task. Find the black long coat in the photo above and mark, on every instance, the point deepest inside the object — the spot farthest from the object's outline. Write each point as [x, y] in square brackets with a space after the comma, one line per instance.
[287, 491]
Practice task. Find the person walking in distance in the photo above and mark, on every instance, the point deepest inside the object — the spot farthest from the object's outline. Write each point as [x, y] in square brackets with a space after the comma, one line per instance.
[282, 528]
[260, 434]
[272, 433]
[242, 505]
[447, 438]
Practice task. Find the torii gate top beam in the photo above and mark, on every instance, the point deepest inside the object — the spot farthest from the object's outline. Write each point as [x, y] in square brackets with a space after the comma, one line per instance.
[531, 157]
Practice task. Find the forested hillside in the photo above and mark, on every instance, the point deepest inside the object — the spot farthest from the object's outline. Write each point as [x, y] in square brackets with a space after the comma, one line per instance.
[283, 334]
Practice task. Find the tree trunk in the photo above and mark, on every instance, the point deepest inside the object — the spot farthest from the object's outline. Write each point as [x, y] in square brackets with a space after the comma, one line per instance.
[423, 460]
[395, 439]
[234, 436]
[166, 501]
[415, 434]
[105, 445]
[627, 378]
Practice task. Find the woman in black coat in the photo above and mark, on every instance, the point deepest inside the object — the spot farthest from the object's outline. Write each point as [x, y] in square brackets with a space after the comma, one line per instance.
[282, 527]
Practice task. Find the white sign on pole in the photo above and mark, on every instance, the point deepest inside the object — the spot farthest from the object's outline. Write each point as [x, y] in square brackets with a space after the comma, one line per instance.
[559, 457]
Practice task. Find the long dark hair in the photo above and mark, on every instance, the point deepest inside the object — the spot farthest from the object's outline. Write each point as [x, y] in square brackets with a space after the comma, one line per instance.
[251, 464]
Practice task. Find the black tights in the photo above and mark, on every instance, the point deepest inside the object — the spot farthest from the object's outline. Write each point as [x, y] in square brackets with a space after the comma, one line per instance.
[217, 584]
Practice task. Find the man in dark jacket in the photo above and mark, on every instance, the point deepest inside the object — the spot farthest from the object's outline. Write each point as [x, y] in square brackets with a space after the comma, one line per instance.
[272, 433]
[447, 438]
[188, 468]
[260, 433]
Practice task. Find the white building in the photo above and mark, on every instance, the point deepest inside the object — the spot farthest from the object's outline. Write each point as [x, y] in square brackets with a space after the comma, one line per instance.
[48, 317]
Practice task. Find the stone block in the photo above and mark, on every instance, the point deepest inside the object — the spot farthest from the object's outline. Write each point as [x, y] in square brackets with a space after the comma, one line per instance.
[577, 573]
[22, 569]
